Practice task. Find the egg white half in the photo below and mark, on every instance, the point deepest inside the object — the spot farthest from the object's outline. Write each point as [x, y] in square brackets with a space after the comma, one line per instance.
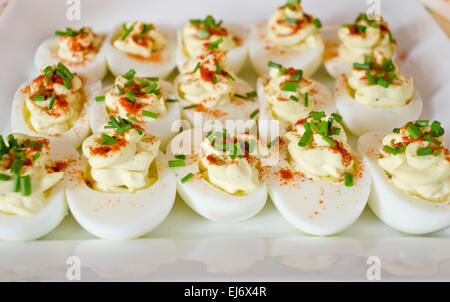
[236, 57]
[317, 207]
[46, 54]
[161, 66]
[360, 118]
[262, 51]
[74, 135]
[20, 228]
[206, 199]
[121, 216]
[323, 101]
[397, 208]
[161, 127]
[237, 109]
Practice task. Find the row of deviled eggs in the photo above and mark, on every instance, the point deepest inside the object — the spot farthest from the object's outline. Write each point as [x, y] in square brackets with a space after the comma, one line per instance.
[122, 186]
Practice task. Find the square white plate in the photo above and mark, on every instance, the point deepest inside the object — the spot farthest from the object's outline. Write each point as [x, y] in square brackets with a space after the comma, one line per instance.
[186, 246]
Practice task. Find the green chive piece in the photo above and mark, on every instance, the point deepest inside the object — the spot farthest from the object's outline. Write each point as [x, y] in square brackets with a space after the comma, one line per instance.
[337, 117]
[274, 65]
[331, 142]
[180, 156]
[187, 178]
[52, 101]
[203, 33]
[36, 155]
[390, 150]
[413, 131]
[370, 78]
[396, 130]
[4, 177]
[38, 97]
[317, 115]
[171, 100]
[214, 79]
[391, 39]
[196, 67]
[133, 118]
[215, 44]
[119, 88]
[348, 179]
[129, 95]
[306, 99]
[25, 185]
[361, 66]
[254, 113]
[100, 98]
[16, 183]
[106, 139]
[306, 137]
[294, 98]
[189, 107]
[437, 152]
[317, 23]
[289, 86]
[149, 114]
[177, 163]
[383, 83]
[290, 20]
[436, 129]
[421, 123]
[424, 151]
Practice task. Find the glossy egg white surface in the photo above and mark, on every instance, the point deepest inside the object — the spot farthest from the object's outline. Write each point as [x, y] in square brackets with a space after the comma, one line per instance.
[360, 118]
[397, 208]
[46, 54]
[323, 101]
[237, 109]
[74, 135]
[160, 64]
[20, 228]
[317, 207]
[161, 127]
[236, 57]
[203, 197]
[120, 216]
[261, 52]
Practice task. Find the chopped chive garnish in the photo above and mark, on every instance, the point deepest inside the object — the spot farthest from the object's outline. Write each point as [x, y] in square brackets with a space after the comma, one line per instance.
[177, 163]
[294, 98]
[337, 117]
[189, 107]
[254, 113]
[215, 44]
[149, 114]
[36, 155]
[317, 115]
[289, 86]
[306, 99]
[16, 183]
[383, 83]
[317, 23]
[126, 30]
[67, 83]
[370, 78]
[129, 83]
[436, 130]
[424, 151]
[218, 69]
[119, 88]
[396, 130]
[187, 177]
[69, 32]
[52, 101]
[214, 79]
[391, 40]
[4, 177]
[335, 131]
[16, 165]
[274, 65]
[361, 66]
[180, 156]
[39, 97]
[25, 185]
[204, 33]
[421, 123]
[390, 150]
[331, 142]
[196, 67]
[195, 21]
[171, 100]
[100, 98]
[251, 94]
[106, 139]
[306, 137]
[129, 95]
[413, 131]
[437, 152]
[348, 179]
[133, 118]
[291, 20]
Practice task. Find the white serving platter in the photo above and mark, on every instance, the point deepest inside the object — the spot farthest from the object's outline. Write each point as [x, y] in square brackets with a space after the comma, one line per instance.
[186, 247]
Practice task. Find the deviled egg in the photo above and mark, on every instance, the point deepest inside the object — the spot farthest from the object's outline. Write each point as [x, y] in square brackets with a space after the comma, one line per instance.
[219, 176]
[375, 96]
[207, 87]
[80, 50]
[144, 47]
[369, 34]
[290, 37]
[122, 187]
[286, 95]
[319, 185]
[55, 104]
[198, 33]
[410, 168]
[149, 101]
[32, 201]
